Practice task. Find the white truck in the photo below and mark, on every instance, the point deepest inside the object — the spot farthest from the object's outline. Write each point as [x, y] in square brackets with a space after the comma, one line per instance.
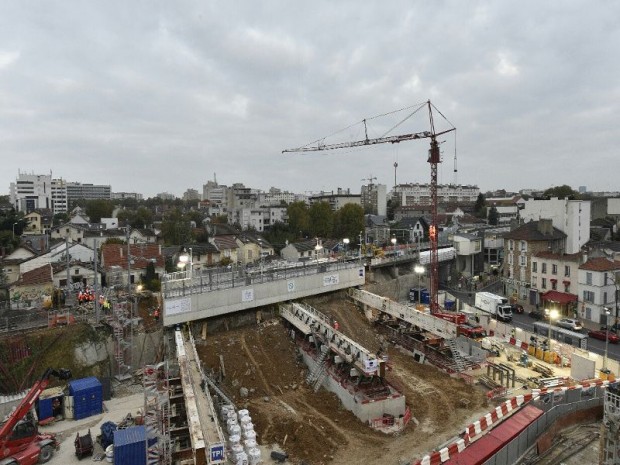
[495, 305]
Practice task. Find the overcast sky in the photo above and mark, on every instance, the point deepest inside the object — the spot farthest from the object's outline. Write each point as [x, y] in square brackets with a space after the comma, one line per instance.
[158, 96]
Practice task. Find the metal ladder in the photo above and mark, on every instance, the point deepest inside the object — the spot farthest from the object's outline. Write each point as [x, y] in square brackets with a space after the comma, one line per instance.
[315, 377]
[459, 360]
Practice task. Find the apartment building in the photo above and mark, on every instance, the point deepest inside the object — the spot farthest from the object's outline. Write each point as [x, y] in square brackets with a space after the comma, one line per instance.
[374, 199]
[569, 216]
[599, 279]
[336, 200]
[420, 194]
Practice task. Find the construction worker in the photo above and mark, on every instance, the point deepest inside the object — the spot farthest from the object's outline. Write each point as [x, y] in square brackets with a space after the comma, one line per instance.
[336, 325]
[156, 315]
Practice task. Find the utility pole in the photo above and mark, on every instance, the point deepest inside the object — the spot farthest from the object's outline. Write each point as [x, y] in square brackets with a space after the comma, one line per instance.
[69, 296]
[96, 285]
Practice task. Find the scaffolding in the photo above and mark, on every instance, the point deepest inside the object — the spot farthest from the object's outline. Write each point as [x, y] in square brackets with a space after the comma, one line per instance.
[120, 321]
[157, 414]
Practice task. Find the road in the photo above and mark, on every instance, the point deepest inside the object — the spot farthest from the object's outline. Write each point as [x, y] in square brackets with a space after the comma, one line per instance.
[525, 322]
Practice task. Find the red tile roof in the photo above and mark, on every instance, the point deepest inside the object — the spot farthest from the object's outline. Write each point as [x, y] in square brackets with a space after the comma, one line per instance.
[142, 254]
[600, 264]
[41, 275]
[225, 242]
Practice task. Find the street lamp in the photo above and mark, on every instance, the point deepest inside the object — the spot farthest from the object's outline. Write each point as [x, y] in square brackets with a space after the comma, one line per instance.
[616, 285]
[14, 224]
[186, 259]
[393, 241]
[607, 313]
[360, 247]
[419, 270]
[317, 247]
[553, 315]
[345, 241]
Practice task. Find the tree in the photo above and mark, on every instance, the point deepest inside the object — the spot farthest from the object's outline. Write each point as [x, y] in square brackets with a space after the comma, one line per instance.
[99, 208]
[480, 207]
[493, 216]
[60, 218]
[321, 219]
[561, 192]
[298, 218]
[349, 221]
[392, 204]
[176, 228]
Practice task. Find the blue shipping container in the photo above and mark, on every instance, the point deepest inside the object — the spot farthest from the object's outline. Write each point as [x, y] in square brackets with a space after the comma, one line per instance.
[449, 304]
[130, 447]
[87, 397]
[425, 297]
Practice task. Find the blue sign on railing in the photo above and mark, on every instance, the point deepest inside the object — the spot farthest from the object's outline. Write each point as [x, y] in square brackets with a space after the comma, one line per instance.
[217, 453]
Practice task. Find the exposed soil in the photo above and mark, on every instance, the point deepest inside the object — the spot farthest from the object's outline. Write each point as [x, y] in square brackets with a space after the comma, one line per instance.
[314, 428]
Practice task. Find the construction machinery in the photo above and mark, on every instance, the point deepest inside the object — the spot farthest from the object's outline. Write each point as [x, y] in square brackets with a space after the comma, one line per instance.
[434, 158]
[20, 440]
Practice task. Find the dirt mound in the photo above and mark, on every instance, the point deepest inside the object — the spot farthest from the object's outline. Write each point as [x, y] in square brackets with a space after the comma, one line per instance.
[314, 427]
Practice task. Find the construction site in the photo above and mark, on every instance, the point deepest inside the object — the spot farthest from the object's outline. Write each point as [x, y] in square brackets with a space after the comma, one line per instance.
[331, 363]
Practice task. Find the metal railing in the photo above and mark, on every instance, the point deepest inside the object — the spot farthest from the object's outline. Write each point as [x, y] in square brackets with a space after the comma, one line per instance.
[214, 279]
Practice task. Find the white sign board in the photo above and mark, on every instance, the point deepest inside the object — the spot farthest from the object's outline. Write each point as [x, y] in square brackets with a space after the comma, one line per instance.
[247, 295]
[177, 306]
[331, 279]
[290, 285]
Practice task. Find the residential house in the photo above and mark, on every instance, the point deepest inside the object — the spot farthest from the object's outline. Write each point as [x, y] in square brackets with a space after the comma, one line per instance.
[253, 248]
[599, 279]
[32, 286]
[77, 273]
[555, 275]
[520, 246]
[127, 261]
[305, 251]
[38, 222]
[227, 246]
[572, 217]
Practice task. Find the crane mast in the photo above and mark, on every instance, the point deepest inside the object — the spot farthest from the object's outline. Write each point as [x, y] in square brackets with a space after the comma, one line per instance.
[434, 158]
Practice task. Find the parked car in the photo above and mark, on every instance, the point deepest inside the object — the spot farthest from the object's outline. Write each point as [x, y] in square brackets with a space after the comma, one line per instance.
[570, 323]
[538, 315]
[602, 334]
[517, 308]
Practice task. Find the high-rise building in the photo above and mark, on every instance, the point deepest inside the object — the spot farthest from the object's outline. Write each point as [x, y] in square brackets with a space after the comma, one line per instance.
[374, 199]
[79, 191]
[31, 191]
[420, 194]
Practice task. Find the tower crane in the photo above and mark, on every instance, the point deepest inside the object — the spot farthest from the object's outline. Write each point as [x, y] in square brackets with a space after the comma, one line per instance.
[434, 158]
[370, 179]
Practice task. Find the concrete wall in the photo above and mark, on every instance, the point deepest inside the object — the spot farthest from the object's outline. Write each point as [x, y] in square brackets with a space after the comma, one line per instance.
[365, 412]
[209, 304]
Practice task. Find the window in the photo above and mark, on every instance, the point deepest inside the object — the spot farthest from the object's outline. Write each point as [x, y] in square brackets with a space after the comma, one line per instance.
[523, 246]
[543, 282]
[534, 267]
[567, 288]
[544, 268]
[554, 269]
[605, 297]
[588, 296]
[523, 260]
[567, 271]
[589, 278]
[554, 285]
[511, 244]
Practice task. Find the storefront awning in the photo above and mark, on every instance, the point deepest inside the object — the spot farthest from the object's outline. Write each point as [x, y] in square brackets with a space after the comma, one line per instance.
[559, 297]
